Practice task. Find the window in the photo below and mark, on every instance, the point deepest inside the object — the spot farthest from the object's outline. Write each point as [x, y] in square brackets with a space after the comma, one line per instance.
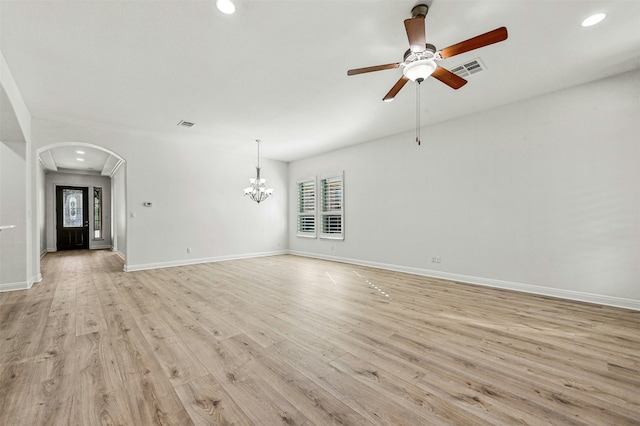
[324, 218]
[307, 208]
[331, 202]
[97, 212]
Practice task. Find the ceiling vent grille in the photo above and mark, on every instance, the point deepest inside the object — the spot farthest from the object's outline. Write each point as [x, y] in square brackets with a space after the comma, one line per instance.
[469, 68]
[183, 123]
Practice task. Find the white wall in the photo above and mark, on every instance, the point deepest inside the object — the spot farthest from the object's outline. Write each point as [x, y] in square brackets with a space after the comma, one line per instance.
[197, 197]
[119, 211]
[20, 110]
[540, 196]
[41, 208]
[90, 181]
[17, 268]
[13, 243]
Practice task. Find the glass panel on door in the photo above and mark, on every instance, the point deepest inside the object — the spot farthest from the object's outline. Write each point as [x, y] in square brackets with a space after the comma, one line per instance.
[73, 214]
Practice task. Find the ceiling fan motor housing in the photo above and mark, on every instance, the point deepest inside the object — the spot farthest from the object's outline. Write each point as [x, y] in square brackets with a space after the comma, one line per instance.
[429, 52]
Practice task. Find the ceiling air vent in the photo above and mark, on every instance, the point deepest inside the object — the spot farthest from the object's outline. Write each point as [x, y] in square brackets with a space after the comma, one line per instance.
[183, 123]
[469, 68]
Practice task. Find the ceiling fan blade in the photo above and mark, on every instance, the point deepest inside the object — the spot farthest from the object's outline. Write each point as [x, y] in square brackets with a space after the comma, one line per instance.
[449, 78]
[374, 68]
[415, 33]
[395, 89]
[495, 36]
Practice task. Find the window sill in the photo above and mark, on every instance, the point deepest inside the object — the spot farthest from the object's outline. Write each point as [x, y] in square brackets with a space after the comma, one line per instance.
[330, 237]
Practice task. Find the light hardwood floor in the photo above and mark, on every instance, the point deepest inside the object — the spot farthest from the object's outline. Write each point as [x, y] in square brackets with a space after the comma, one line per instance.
[290, 340]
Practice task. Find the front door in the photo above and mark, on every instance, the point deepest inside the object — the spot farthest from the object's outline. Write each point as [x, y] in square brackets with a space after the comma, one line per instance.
[72, 212]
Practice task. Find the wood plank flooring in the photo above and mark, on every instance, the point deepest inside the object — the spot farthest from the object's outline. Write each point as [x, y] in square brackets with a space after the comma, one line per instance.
[298, 341]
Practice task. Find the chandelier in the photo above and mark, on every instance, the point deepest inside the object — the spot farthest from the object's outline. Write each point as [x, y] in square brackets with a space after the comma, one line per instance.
[258, 191]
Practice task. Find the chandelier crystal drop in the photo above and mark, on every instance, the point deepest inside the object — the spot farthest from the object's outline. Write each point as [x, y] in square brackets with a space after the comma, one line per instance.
[258, 190]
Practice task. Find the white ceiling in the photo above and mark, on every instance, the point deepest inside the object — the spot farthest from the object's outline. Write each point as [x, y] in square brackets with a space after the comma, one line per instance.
[276, 70]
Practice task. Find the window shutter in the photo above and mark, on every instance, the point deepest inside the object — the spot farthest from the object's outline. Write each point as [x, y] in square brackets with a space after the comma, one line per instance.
[332, 194]
[306, 226]
[306, 223]
[331, 224]
[306, 197]
[331, 201]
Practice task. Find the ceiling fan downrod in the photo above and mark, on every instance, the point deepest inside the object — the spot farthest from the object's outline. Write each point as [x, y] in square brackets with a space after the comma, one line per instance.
[419, 11]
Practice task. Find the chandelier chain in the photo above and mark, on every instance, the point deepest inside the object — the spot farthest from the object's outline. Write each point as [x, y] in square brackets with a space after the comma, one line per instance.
[258, 141]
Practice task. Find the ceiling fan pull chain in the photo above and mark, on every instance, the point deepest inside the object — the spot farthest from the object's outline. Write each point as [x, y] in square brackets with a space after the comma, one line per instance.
[418, 112]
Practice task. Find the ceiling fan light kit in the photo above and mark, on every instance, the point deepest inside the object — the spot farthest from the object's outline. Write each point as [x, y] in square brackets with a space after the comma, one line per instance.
[420, 61]
[419, 70]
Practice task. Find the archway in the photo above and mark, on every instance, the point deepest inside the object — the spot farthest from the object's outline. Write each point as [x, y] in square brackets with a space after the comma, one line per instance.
[49, 175]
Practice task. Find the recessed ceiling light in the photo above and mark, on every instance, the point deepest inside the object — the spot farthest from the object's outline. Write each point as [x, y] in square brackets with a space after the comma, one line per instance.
[79, 152]
[593, 19]
[80, 159]
[226, 6]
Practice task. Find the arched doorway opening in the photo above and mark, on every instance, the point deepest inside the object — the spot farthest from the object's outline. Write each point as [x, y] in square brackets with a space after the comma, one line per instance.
[101, 174]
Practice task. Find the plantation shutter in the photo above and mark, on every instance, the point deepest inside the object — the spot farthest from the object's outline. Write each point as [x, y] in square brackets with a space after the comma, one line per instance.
[307, 208]
[331, 201]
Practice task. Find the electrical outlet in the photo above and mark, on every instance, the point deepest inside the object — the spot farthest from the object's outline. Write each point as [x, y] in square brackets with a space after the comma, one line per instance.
[437, 259]
[188, 249]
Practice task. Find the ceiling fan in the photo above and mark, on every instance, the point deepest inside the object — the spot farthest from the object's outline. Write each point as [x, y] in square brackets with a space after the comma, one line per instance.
[420, 60]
